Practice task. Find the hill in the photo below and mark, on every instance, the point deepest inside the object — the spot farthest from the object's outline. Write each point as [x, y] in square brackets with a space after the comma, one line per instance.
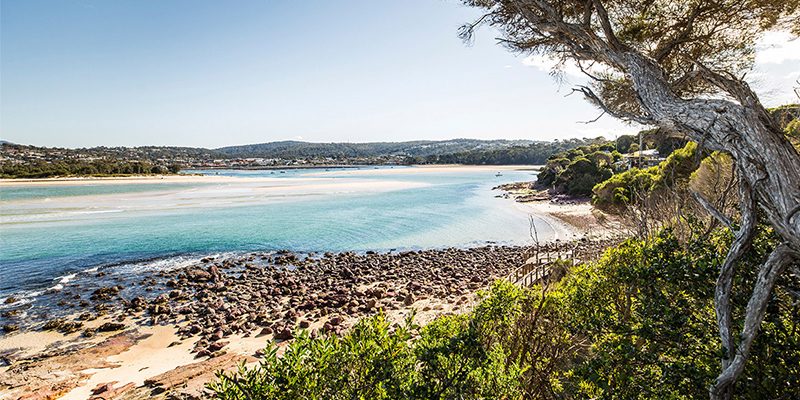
[418, 148]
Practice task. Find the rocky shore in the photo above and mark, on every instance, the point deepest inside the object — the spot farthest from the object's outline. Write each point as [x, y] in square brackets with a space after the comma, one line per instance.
[237, 306]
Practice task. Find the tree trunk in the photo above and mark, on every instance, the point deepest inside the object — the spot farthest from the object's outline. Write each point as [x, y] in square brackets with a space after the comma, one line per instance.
[769, 169]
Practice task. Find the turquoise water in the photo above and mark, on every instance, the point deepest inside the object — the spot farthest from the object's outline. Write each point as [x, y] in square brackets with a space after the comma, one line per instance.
[51, 235]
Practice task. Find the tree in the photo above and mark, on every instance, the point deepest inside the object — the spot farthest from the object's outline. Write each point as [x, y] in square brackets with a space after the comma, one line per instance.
[677, 65]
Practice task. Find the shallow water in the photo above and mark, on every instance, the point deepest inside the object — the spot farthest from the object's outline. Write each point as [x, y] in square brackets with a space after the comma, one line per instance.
[53, 236]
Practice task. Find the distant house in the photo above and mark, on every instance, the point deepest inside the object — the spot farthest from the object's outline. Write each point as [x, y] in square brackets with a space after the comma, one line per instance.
[643, 159]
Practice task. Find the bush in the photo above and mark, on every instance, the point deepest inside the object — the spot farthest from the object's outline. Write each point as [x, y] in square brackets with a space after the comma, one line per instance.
[637, 324]
[448, 360]
[675, 170]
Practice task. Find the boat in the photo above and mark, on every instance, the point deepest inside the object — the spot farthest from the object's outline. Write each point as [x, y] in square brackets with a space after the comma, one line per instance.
[498, 174]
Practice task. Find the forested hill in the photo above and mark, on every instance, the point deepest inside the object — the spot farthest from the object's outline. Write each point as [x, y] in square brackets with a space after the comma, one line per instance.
[531, 154]
[417, 148]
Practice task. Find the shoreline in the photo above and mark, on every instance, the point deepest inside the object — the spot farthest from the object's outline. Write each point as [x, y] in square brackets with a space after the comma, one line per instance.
[217, 309]
[570, 217]
[192, 178]
[214, 314]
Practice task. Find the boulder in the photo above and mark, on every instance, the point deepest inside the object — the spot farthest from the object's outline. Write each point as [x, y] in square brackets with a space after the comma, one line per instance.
[285, 334]
[110, 327]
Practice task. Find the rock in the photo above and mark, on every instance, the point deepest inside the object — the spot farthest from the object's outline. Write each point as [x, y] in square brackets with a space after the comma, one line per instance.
[216, 346]
[409, 300]
[161, 299]
[10, 300]
[110, 327]
[10, 328]
[335, 321]
[104, 293]
[285, 334]
[187, 381]
[69, 327]
[108, 391]
[304, 324]
[53, 325]
[266, 331]
[10, 313]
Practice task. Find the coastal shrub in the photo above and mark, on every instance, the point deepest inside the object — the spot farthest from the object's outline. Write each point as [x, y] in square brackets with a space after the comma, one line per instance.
[674, 172]
[448, 360]
[44, 169]
[646, 308]
[576, 171]
[619, 188]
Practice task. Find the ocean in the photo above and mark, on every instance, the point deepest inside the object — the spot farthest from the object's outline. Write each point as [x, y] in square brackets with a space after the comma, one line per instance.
[56, 237]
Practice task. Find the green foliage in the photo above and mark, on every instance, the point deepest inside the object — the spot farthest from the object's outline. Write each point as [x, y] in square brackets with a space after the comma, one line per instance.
[648, 308]
[624, 143]
[532, 154]
[102, 167]
[675, 170]
[578, 170]
[372, 361]
[419, 148]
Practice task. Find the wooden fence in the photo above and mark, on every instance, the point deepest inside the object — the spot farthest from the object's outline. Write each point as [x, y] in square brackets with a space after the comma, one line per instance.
[541, 258]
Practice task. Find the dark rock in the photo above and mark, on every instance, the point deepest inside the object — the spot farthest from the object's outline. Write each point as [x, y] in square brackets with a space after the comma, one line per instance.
[216, 346]
[110, 327]
[104, 293]
[10, 328]
[69, 327]
[285, 334]
[266, 331]
[53, 325]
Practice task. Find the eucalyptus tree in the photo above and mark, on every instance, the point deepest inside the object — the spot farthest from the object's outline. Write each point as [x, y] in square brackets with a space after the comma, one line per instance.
[679, 65]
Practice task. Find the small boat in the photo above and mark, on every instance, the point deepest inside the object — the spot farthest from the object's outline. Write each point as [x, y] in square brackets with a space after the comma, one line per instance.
[498, 174]
[283, 172]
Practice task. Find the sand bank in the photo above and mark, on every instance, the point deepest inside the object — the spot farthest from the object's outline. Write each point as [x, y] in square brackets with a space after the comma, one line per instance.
[424, 169]
[186, 178]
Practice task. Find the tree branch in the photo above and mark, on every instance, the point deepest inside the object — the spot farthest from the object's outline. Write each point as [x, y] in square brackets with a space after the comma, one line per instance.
[724, 286]
[777, 262]
[589, 94]
[712, 210]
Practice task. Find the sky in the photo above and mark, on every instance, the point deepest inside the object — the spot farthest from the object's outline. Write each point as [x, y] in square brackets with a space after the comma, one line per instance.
[197, 73]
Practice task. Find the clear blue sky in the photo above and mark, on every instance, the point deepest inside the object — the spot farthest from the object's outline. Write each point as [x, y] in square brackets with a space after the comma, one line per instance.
[83, 73]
